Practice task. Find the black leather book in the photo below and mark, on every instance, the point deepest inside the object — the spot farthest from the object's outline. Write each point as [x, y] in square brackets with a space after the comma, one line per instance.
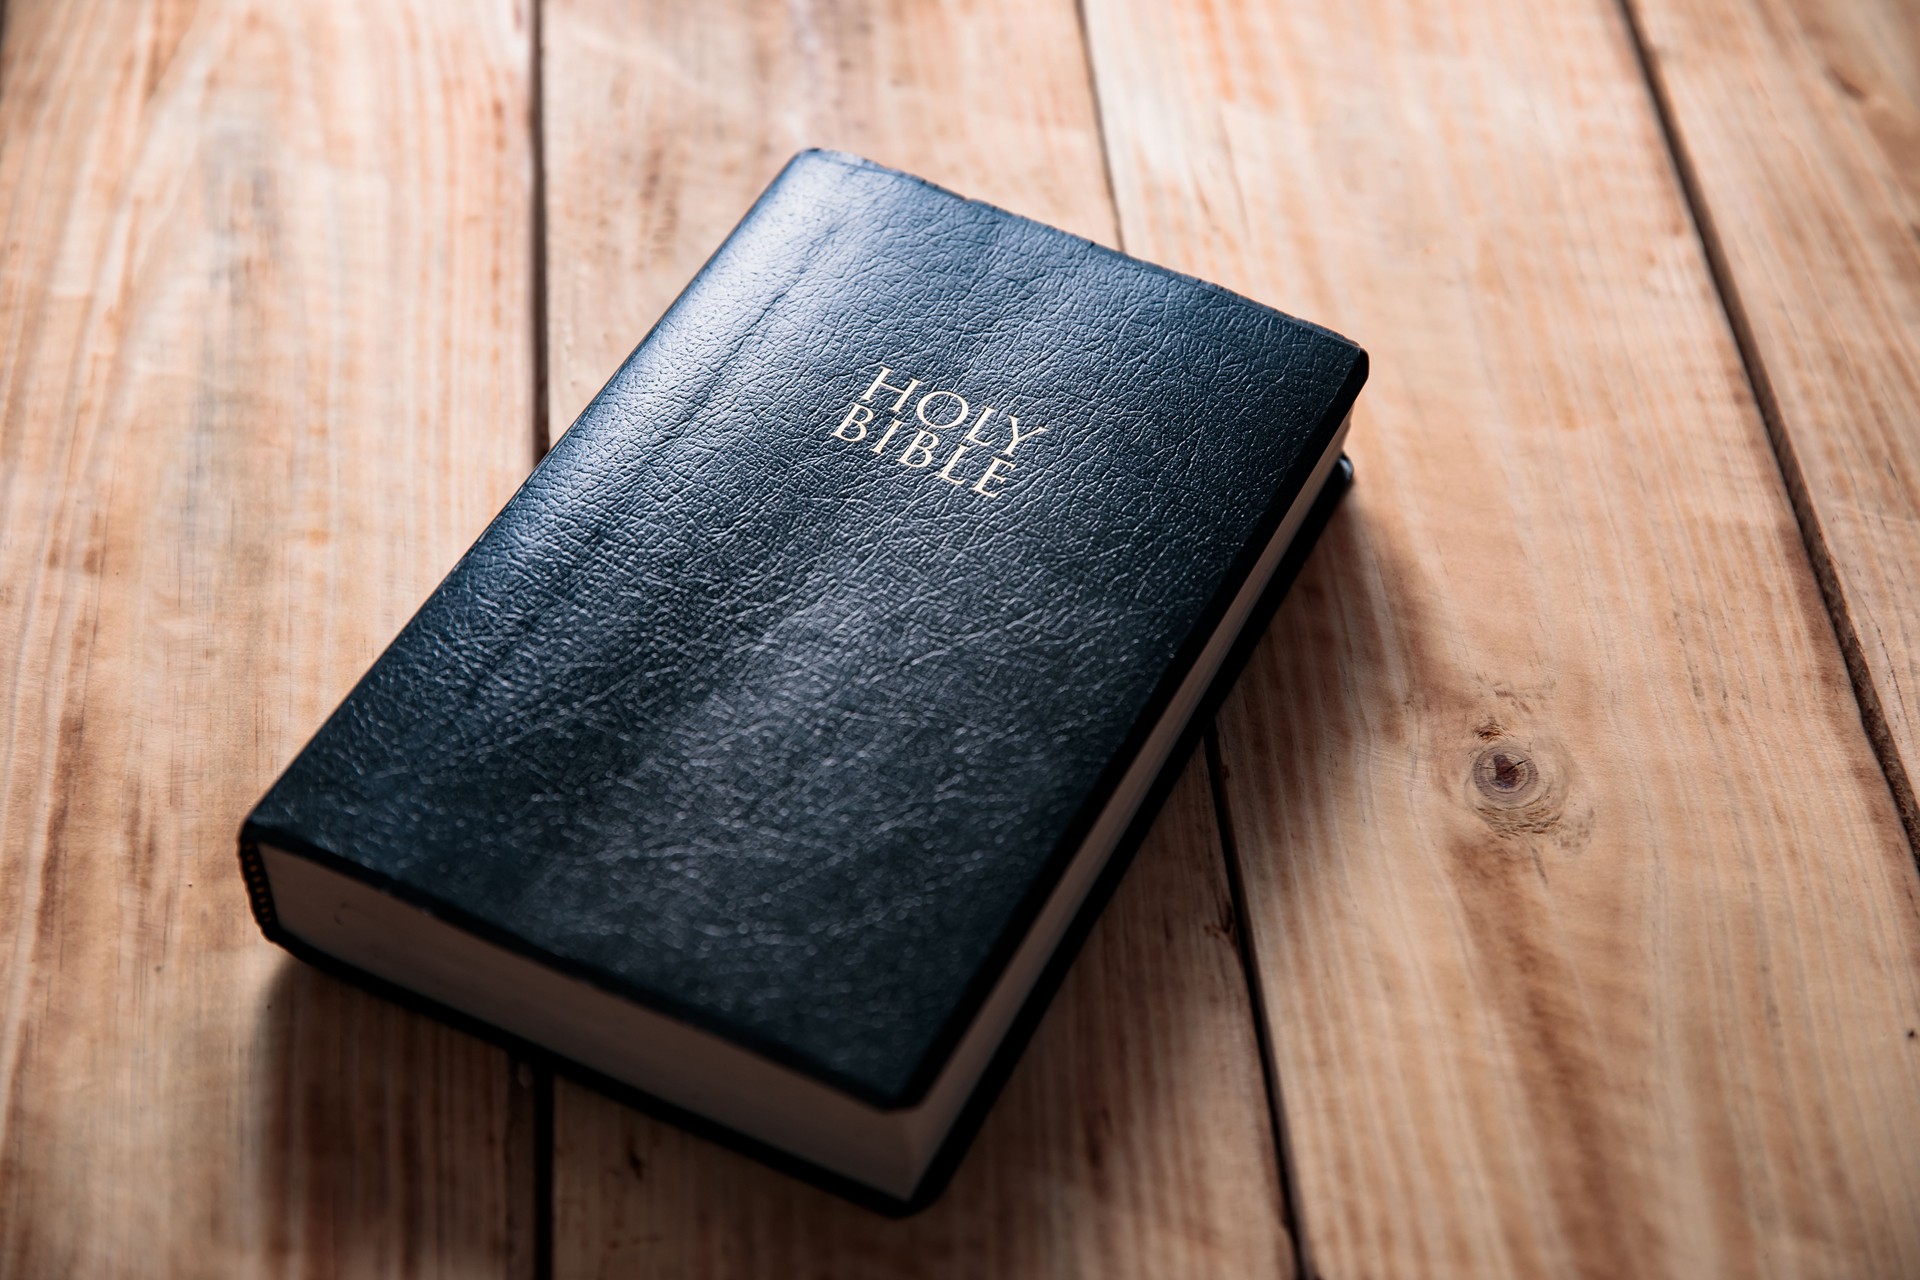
[761, 753]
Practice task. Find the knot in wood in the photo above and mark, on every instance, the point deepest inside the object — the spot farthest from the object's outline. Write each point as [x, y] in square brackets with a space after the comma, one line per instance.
[1505, 774]
[1515, 788]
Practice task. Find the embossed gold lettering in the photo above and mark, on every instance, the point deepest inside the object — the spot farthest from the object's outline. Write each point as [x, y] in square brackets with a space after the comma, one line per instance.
[973, 432]
[1019, 435]
[880, 383]
[857, 417]
[980, 457]
[920, 410]
[924, 443]
[946, 472]
[992, 473]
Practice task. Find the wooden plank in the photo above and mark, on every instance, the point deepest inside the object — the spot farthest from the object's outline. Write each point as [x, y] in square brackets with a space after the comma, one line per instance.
[664, 121]
[1588, 936]
[1798, 125]
[265, 372]
[1132, 1139]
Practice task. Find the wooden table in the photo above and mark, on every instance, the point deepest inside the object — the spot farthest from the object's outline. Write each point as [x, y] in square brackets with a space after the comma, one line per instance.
[1541, 902]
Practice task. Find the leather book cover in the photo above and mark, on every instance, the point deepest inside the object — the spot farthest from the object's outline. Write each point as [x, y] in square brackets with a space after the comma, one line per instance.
[782, 694]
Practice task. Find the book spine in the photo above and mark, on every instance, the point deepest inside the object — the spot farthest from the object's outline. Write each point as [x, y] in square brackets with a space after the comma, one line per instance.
[259, 894]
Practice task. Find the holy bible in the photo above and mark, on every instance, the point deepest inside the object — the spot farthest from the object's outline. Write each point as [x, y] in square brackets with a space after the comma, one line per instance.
[760, 755]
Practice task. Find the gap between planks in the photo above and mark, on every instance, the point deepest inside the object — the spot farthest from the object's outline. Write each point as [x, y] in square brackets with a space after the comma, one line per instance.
[1806, 515]
[531, 1155]
[537, 256]
[1290, 1206]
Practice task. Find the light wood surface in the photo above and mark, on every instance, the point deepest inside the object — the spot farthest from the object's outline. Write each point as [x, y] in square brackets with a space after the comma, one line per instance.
[663, 121]
[264, 370]
[1799, 125]
[662, 125]
[1586, 927]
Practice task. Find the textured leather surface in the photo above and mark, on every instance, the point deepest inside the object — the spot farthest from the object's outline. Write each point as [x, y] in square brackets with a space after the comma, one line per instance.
[785, 736]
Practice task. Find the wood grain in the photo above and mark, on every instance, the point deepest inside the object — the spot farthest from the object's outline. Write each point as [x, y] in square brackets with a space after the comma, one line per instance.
[1588, 936]
[264, 372]
[664, 121]
[1799, 127]
[1132, 1139]
[1135, 1139]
